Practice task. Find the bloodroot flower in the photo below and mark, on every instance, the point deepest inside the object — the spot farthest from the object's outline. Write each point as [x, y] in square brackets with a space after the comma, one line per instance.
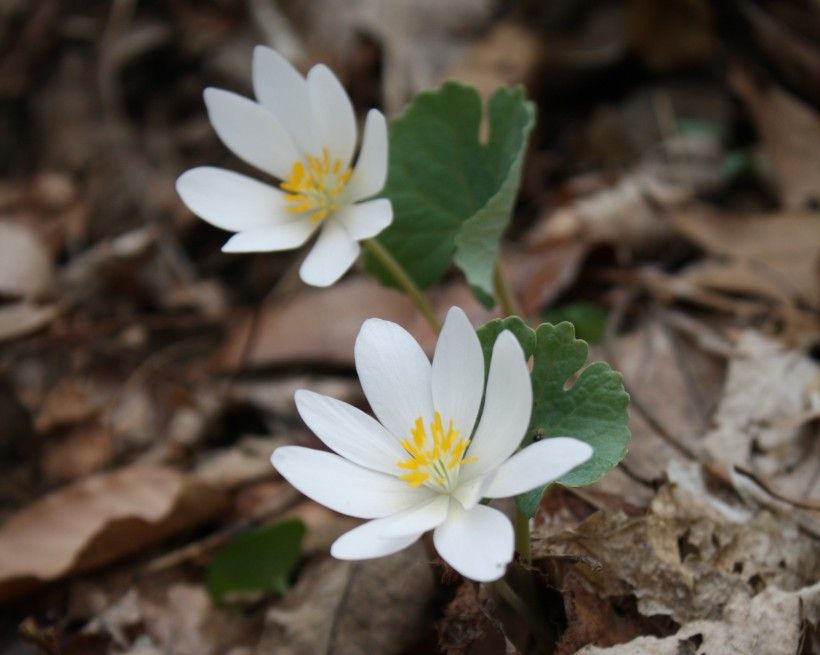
[422, 466]
[303, 132]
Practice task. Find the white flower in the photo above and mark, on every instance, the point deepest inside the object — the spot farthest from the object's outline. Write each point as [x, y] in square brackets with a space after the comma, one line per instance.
[303, 132]
[416, 468]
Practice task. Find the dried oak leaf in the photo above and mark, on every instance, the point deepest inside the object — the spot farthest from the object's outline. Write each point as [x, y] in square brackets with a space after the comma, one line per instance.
[99, 520]
[691, 552]
[770, 623]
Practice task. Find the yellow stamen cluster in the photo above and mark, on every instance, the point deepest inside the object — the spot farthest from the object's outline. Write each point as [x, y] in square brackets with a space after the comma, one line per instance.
[434, 460]
[315, 188]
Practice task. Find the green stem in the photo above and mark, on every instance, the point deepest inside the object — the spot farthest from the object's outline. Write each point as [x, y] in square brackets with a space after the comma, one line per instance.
[522, 536]
[503, 293]
[403, 280]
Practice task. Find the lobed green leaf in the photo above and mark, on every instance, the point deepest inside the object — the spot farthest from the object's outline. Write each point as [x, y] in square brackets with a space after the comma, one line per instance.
[453, 195]
[592, 408]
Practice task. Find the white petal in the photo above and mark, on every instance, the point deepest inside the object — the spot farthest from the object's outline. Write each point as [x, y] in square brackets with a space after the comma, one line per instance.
[507, 408]
[279, 87]
[395, 375]
[470, 492]
[331, 256]
[536, 465]
[252, 132]
[366, 219]
[365, 542]
[392, 533]
[417, 519]
[371, 167]
[350, 432]
[231, 201]
[458, 372]
[285, 236]
[477, 543]
[343, 486]
[333, 113]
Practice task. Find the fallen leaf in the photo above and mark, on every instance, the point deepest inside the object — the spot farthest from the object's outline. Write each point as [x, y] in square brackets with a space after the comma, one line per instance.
[784, 246]
[671, 384]
[655, 32]
[507, 55]
[790, 131]
[420, 39]
[320, 325]
[373, 606]
[184, 621]
[767, 387]
[26, 270]
[771, 623]
[82, 451]
[690, 554]
[96, 521]
[22, 318]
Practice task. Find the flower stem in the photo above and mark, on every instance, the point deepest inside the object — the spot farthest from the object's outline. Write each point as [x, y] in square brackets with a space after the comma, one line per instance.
[522, 536]
[505, 297]
[401, 278]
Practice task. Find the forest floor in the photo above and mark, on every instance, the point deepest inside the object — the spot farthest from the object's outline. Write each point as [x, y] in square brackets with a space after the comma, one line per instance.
[669, 208]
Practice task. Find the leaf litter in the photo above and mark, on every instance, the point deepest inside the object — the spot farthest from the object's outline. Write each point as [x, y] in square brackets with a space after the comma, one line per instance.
[146, 376]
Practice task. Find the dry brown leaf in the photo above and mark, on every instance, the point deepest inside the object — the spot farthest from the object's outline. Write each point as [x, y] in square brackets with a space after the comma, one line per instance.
[81, 451]
[541, 274]
[759, 422]
[184, 621]
[790, 131]
[690, 554]
[785, 247]
[672, 383]
[770, 623]
[625, 214]
[656, 34]
[320, 325]
[26, 270]
[420, 38]
[507, 55]
[246, 461]
[22, 318]
[96, 521]
[375, 606]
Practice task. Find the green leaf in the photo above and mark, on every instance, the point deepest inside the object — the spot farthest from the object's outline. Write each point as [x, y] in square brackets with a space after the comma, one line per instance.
[589, 319]
[259, 560]
[452, 195]
[593, 409]
[488, 333]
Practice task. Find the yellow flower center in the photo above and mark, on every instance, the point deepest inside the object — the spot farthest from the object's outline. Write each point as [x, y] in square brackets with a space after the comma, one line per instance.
[314, 187]
[435, 459]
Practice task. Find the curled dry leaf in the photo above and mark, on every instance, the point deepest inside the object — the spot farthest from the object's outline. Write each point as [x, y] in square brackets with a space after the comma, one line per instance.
[771, 622]
[690, 554]
[96, 521]
[782, 249]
